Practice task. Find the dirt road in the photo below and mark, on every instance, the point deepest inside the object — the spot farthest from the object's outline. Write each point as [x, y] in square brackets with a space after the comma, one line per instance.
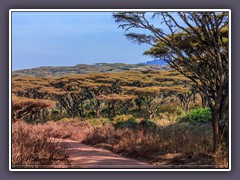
[84, 156]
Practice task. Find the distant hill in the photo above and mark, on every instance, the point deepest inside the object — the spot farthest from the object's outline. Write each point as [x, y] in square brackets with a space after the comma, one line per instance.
[159, 62]
[86, 69]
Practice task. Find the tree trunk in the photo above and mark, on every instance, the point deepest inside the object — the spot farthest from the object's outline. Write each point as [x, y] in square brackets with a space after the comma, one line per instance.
[223, 117]
[109, 109]
[186, 106]
[113, 109]
[44, 115]
[151, 115]
[97, 112]
[204, 101]
[80, 112]
[215, 124]
[82, 109]
[139, 107]
[124, 109]
[194, 98]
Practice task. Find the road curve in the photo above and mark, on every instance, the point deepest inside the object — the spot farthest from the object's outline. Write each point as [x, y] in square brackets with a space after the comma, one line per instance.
[84, 156]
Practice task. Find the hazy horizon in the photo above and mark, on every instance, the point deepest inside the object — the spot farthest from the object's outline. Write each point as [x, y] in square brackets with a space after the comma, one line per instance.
[75, 65]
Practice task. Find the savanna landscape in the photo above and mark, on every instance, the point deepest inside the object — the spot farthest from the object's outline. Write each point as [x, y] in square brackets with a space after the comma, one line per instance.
[118, 115]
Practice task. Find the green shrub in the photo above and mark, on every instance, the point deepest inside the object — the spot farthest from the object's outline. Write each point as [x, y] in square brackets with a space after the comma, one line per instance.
[123, 121]
[180, 111]
[91, 114]
[171, 112]
[99, 121]
[147, 124]
[199, 115]
[55, 111]
[122, 118]
[131, 123]
[170, 108]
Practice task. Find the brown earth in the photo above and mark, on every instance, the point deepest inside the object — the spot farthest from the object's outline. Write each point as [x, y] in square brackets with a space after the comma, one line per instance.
[84, 156]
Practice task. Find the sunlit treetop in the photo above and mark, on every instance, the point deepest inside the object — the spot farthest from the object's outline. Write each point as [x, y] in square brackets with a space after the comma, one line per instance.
[116, 97]
[40, 103]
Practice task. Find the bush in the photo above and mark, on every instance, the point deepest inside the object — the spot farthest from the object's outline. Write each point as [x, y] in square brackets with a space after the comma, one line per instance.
[68, 128]
[122, 118]
[180, 111]
[199, 115]
[170, 108]
[131, 123]
[171, 112]
[98, 121]
[123, 121]
[55, 111]
[147, 124]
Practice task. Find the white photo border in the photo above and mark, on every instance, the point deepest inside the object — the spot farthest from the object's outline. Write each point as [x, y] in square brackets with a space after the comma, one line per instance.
[110, 10]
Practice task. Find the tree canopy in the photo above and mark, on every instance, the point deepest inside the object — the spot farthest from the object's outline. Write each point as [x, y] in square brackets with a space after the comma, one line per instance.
[193, 43]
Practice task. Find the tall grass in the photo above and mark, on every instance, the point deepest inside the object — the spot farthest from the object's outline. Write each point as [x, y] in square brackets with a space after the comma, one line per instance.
[68, 129]
[31, 148]
[149, 144]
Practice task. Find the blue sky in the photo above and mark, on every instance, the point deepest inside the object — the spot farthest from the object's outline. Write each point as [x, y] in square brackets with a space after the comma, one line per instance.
[70, 38]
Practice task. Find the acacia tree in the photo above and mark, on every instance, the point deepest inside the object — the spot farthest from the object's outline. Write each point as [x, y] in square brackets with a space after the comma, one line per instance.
[196, 45]
[29, 87]
[94, 90]
[139, 102]
[153, 97]
[23, 107]
[70, 96]
[78, 96]
[122, 101]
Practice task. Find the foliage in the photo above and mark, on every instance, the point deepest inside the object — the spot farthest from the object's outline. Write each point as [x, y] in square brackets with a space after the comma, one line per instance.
[147, 124]
[122, 118]
[103, 95]
[171, 112]
[99, 121]
[130, 123]
[199, 115]
[196, 45]
[22, 107]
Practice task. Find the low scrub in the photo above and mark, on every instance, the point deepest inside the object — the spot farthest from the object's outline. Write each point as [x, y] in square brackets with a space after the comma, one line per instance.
[131, 123]
[122, 118]
[171, 112]
[98, 121]
[199, 115]
[31, 148]
[68, 128]
[34, 144]
[148, 144]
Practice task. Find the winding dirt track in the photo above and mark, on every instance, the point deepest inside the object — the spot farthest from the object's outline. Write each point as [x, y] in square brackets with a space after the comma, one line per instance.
[84, 156]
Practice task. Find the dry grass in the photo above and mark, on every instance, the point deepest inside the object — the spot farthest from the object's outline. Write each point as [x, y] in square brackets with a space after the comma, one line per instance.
[32, 145]
[176, 144]
[31, 148]
[68, 129]
[193, 143]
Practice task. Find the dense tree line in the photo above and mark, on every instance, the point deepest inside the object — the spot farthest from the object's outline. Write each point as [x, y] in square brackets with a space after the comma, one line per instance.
[77, 95]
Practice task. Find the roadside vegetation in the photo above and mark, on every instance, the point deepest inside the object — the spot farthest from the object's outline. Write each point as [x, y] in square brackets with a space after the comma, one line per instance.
[142, 115]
